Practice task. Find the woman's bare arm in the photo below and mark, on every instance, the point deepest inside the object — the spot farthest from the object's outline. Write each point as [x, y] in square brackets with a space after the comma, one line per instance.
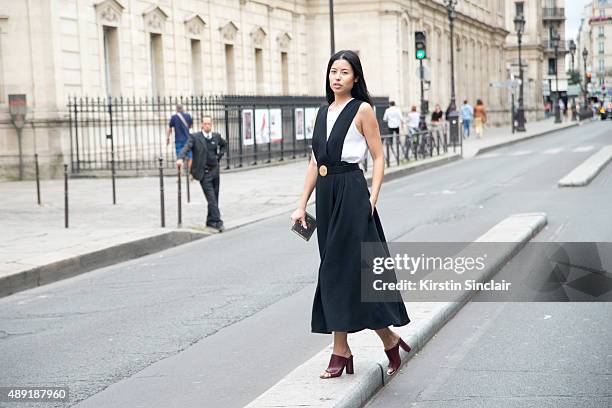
[309, 184]
[368, 126]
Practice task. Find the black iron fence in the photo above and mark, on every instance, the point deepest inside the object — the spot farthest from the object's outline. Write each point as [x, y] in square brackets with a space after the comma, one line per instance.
[418, 144]
[131, 132]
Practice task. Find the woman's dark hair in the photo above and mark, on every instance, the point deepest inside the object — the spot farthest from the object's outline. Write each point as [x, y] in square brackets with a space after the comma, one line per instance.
[478, 102]
[360, 89]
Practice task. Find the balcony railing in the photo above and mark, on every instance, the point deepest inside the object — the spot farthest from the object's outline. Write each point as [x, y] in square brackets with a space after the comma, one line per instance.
[548, 46]
[553, 13]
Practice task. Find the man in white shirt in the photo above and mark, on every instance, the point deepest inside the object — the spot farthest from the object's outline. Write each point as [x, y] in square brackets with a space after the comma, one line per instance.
[394, 119]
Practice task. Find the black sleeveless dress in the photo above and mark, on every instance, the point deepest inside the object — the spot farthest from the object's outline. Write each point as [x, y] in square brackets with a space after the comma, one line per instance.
[344, 220]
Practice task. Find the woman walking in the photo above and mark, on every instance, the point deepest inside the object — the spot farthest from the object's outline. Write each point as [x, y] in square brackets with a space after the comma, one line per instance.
[346, 216]
[480, 118]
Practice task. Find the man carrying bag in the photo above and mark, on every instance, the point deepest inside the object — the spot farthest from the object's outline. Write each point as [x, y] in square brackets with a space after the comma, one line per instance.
[208, 148]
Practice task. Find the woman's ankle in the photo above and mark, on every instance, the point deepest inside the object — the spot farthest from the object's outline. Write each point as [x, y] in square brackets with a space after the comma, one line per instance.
[344, 351]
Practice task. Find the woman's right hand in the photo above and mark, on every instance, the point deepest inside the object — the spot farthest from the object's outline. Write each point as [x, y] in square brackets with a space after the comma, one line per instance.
[299, 215]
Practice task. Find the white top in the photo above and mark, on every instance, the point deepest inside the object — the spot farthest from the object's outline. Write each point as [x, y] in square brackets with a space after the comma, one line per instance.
[413, 119]
[393, 117]
[355, 146]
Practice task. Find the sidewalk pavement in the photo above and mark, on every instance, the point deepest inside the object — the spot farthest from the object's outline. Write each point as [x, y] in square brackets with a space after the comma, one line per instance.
[36, 248]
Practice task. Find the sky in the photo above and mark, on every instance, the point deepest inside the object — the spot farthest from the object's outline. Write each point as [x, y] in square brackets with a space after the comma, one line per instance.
[573, 14]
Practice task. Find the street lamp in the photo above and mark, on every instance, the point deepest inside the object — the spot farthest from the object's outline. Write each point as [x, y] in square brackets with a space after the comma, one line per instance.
[519, 25]
[453, 116]
[555, 43]
[572, 48]
[331, 27]
[585, 54]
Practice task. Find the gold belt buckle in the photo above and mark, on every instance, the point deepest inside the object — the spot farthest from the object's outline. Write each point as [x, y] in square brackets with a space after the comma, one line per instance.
[323, 170]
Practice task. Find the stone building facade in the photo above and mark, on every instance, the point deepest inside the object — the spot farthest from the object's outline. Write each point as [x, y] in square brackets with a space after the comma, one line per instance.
[595, 35]
[53, 49]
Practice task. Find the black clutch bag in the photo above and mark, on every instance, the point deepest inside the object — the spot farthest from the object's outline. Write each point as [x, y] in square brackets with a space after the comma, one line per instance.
[305, 233]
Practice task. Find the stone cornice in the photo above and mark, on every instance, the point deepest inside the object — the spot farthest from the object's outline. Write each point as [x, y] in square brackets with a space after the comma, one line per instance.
[469, 21]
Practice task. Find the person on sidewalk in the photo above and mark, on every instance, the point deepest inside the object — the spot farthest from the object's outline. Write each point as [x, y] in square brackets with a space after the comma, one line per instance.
[394, 119]
[181, 122]
[437, 125]
[436, 115]
[346, 216]
[208, 148]
[414, 118]
[480, 118]
[561, 109]
[467, 113]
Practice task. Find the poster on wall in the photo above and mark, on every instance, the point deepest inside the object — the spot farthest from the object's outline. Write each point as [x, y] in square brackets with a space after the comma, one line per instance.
[276, 125]
[299, 124]
[310, 115]
[247, 127]
[262, 126]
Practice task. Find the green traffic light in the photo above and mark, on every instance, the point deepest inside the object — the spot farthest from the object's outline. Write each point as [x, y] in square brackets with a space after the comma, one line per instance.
[420, 54]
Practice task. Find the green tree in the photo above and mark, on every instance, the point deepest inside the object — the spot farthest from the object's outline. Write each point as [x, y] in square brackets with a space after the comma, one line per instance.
[574, 77]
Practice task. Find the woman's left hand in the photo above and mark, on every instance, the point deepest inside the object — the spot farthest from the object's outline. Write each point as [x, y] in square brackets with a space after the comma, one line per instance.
[372, 205]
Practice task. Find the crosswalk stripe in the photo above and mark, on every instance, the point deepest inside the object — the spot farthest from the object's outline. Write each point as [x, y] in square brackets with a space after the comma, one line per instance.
[488, 155]
[521, 153]
[583, 149]
[554, 150]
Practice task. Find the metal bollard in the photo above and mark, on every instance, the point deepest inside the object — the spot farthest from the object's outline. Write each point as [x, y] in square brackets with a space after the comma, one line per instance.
[388, 155]
[161, 191]
[397, 148]
[187, 184]
[37, 177]
[65, 196]
[110, 137]
[180, 212]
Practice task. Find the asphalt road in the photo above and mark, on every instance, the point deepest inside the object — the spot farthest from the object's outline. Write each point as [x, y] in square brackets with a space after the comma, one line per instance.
[217, 322]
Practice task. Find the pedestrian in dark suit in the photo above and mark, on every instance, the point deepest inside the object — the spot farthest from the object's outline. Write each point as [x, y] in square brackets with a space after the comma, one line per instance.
[208, 148]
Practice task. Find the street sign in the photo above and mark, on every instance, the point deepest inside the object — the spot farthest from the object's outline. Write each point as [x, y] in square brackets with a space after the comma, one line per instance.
[426, 75]
[545, 89]
[573, 90]
[514, 83]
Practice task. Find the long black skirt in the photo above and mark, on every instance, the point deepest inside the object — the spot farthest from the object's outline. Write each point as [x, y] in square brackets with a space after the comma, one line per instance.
[344, 221]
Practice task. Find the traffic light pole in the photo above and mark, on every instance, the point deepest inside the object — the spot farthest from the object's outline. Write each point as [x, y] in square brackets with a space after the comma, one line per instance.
[420, 46]
[422, 124]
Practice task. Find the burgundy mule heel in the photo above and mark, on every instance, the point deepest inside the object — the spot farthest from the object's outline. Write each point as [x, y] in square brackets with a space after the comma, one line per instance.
[337, 364]
[395, 361]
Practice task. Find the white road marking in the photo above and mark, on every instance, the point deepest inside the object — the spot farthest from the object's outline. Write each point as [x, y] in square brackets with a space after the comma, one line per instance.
[553, 151]
[583, 149]
[488, 155]
[435, 193]
[521, 153]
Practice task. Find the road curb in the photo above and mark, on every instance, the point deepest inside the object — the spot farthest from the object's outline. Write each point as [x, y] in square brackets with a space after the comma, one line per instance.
[589, 169]
[514, 141]
[77, 265]
[406, 171]
[73, 266]
[355, 390]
